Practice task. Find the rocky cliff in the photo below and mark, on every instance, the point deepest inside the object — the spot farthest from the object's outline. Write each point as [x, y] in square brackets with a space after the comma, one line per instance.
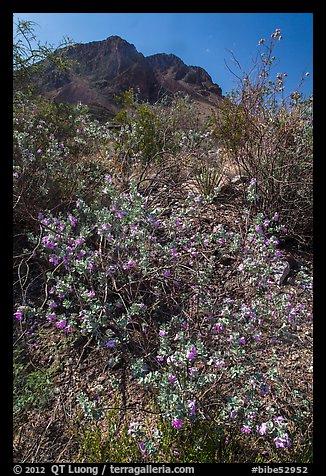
[103, 69]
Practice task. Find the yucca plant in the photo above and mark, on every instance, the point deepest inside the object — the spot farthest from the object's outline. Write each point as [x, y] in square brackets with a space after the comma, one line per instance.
[208, 178]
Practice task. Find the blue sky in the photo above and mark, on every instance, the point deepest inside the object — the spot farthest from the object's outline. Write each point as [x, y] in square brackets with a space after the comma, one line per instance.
[199, 39]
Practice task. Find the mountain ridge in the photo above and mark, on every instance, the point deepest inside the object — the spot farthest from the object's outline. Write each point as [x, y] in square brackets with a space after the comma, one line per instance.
[104, 69]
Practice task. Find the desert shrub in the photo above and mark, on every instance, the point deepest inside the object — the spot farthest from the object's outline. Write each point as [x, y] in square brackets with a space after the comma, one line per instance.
[269, 137]
[166, 144]
[32, 387]
[152, 130]
[144, 287]
[53, 159]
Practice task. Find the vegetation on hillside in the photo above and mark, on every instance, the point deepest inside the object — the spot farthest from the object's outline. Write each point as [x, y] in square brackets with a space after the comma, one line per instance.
[153, 317]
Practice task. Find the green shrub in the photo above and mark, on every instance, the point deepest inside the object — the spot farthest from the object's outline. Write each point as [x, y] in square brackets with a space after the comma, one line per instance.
[54, 158]
[142, 286]
[269, 137]
[32, 387]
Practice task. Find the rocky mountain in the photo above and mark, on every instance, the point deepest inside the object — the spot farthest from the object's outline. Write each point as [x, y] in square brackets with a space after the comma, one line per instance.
[103, 69]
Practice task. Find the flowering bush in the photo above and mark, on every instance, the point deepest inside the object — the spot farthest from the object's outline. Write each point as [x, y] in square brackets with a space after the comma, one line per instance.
[53, 159]
[268, 136]
[144, 286]
[116, 269]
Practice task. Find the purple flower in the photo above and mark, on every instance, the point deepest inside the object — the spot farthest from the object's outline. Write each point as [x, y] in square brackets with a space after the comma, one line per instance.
[61, 324]
[67, 329]
[51, 317]
[39, 151]
[54, 259]
[233, 414]
[162, 333]
[48, 243]
[159, 358]
[110, 344]
[130, 264]
[108, 178]
[219, 327]
[167, 273]
[105, 226]
[259, 228]
[262, 429]
[278, 419]
[192, 407]
[52, 305]
[242, 340]
[172, 378]
[192, 353]
[81, 254]
[197, 199]
[18, 315]
[177, 423]
[282, 442]
[246, 429]
[219, 363]
[45, 221]
[276, 217]
[73, 220]
[142, 447]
